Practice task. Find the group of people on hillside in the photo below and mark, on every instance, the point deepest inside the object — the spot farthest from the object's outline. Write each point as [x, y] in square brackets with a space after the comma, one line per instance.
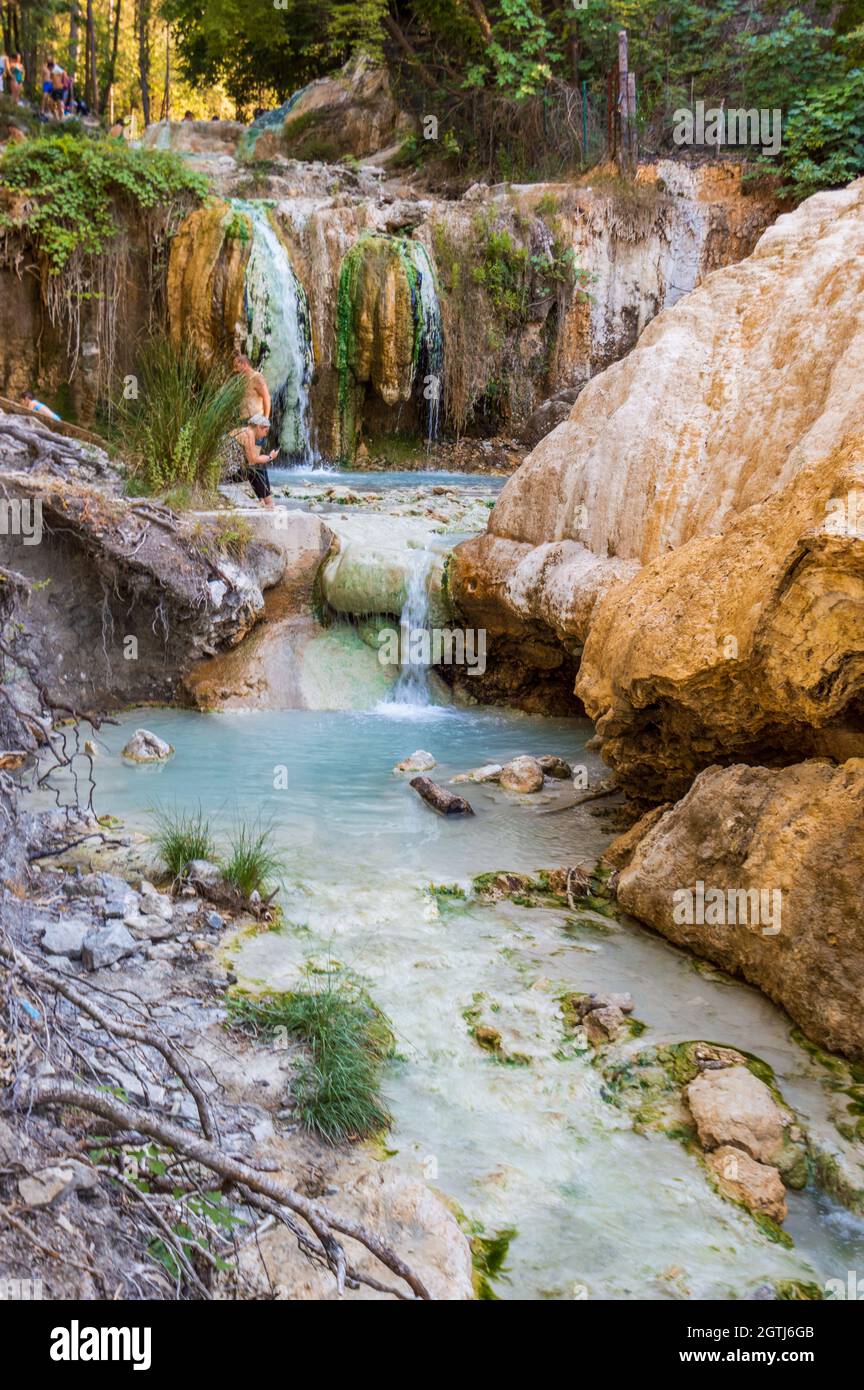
[57, 90]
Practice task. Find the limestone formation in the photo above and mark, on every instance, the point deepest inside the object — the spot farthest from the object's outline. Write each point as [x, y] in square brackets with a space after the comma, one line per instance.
[785, 848]
[146, 747]
[523, 774]
[757, 1186]
[732, 1106]
[205, 279]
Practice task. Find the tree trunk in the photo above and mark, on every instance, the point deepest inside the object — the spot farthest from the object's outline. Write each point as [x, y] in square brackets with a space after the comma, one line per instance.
[73, 40]
[165, 113]
[90, 49]
[143, 22]
[112, 61]
[479, 12]
[442, 801]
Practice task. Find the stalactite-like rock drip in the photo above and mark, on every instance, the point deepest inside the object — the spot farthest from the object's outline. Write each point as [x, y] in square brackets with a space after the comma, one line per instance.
[377, 329]
[205, 286]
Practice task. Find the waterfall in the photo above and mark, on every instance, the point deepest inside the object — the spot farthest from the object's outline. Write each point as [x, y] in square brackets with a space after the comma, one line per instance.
[411, 688]
[431, 358]
[279, 338]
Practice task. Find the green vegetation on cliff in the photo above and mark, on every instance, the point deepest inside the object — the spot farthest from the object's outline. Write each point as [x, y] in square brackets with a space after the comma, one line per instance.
[65, 195]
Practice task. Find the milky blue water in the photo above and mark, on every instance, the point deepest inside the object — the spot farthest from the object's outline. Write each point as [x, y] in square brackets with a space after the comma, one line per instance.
[482, 483]
[599, 1210]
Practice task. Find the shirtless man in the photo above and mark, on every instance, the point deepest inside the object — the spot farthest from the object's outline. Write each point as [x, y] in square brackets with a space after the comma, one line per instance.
[257, 398]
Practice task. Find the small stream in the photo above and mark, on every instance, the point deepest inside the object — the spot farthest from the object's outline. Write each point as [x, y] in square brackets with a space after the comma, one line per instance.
[597, 1209]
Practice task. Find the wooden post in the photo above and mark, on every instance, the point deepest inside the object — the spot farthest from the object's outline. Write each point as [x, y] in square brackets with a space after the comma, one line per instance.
[631, 121]
[623, 134]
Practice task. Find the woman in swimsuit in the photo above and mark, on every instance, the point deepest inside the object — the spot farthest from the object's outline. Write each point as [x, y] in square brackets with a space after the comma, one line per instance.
[244, 451]
[16, 77]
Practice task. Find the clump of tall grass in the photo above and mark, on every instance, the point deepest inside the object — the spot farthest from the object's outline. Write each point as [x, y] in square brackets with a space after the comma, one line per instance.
[337, 1090]
[175, 430]
[252, 864]
[181, 836]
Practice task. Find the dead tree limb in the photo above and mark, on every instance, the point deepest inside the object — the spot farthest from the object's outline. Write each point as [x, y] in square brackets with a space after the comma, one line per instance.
[51, 1091]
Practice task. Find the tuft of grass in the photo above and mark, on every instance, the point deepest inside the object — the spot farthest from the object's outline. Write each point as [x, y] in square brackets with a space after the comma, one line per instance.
[175, 429]
[181, 836]
[252, 864]
[337, 1090]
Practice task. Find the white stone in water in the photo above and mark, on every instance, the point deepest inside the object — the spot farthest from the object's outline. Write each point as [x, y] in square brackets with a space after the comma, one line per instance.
[490, 772]
[147, 747]
[522, 775]
[419, 761]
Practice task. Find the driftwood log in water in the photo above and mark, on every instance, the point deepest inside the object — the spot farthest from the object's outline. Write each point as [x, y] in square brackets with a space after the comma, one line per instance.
[442, 801]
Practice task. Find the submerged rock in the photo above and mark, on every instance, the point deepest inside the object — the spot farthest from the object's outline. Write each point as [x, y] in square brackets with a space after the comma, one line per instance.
[490, 772]
[147, 747]
[522, 774]
[420, 761]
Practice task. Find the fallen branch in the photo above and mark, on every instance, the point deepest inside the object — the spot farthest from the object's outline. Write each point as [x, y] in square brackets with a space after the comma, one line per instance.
[321, 1220]
[135, 1032]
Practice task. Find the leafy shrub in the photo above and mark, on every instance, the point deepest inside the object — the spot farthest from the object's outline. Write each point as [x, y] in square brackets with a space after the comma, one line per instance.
[74, 188]
[175, 430]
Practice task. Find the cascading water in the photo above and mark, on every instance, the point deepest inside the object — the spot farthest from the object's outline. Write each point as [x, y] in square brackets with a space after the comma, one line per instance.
[411, 689]
[431, 359]
[279, 337]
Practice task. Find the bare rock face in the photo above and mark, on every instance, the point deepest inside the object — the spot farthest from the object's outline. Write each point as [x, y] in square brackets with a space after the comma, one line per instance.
[756, 1186]
[739, 645]
[732, 1106]
[759, 871]
[350, 113]
[712, 455]
[404, 1211]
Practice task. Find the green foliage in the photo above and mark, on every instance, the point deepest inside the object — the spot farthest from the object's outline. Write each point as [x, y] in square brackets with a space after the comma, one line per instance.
[75, 188]
[175, 430]
[252, 863]
[337, 1091]
[824, 137]
[251, 46]
[181, 836]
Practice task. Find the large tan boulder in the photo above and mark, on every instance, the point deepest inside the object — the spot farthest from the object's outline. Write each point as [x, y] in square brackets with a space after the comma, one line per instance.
[742, 645]
[759, 870]
[725, 400]
[732, 1106]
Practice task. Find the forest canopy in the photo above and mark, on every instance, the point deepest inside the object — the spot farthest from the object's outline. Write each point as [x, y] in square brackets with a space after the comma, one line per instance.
[460, 59]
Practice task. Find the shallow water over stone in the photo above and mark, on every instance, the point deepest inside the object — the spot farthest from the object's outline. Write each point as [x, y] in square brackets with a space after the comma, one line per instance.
[599, 1210]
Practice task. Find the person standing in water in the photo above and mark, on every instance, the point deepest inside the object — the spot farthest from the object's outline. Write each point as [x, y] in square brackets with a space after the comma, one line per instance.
[244, 451]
